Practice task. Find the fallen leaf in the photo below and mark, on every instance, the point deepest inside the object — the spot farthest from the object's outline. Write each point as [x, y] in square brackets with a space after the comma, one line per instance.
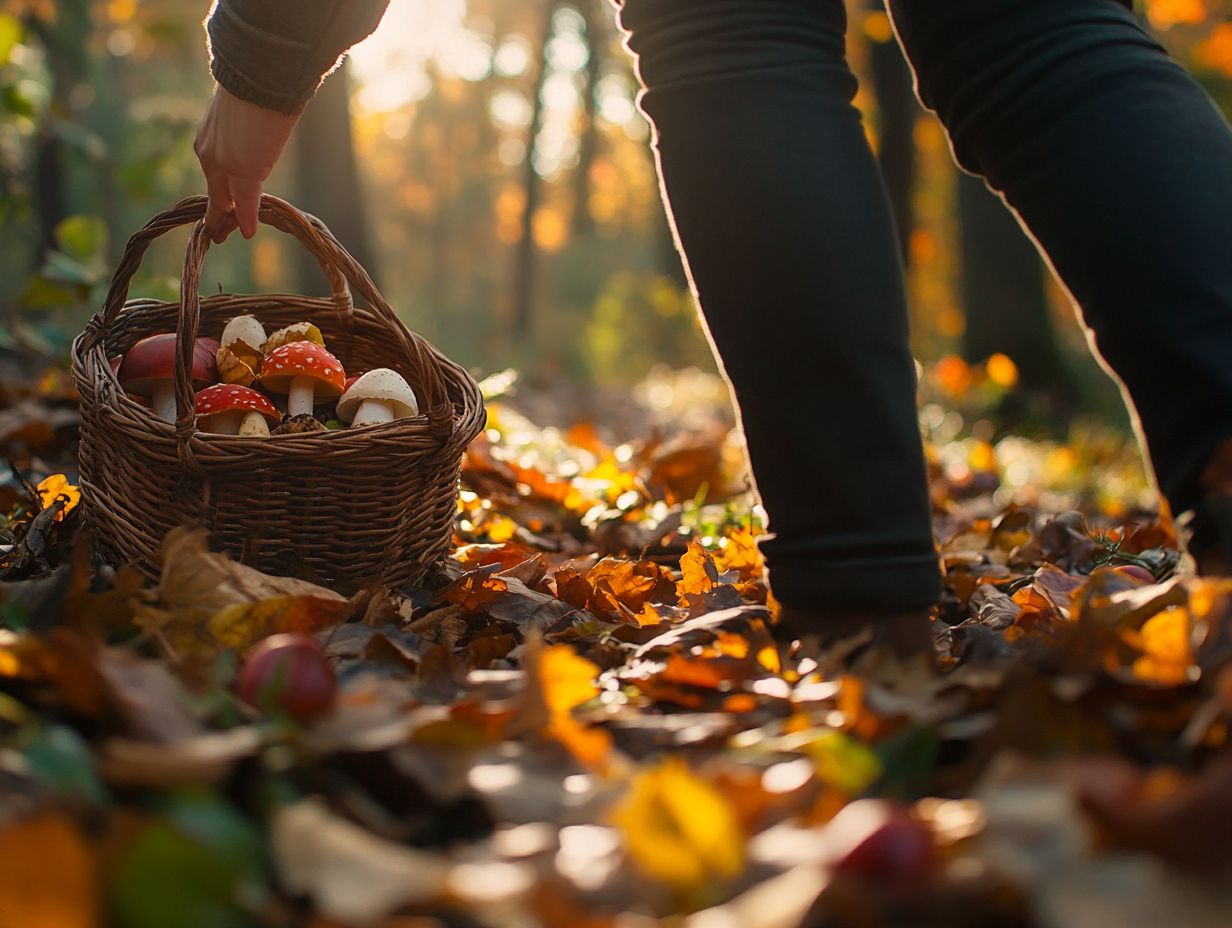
[48, 875]
[678, 829]
[348, 873]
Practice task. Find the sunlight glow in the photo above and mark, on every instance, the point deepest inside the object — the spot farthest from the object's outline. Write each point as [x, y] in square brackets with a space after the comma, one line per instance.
[390, 66]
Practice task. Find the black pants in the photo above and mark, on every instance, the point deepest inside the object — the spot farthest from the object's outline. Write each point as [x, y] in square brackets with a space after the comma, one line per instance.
[1117, 163]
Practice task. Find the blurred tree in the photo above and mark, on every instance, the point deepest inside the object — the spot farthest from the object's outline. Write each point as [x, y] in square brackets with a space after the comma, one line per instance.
[897, 112]
[65, 38]
[595, 18]
[532, 186]
[327, 178]
[1003, 294]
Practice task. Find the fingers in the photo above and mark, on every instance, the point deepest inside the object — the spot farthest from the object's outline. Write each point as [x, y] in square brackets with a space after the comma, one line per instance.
[219, 214]
[247, 197]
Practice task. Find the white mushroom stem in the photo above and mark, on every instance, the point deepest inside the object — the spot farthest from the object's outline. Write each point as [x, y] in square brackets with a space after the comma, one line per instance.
[374, 412]
[254, 424]
[162, 400]
[300, 396]
[223, 423]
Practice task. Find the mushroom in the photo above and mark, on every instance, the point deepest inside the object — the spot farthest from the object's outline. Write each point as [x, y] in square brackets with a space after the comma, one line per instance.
[148, 369]
[239, 358]
[380, 395]
[229, 409]
[305, 372]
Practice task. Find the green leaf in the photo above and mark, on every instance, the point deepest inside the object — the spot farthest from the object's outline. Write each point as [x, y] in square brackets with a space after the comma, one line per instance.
[13, 101]
[193, 868]
[62, 761]
[42, 293]
[10, 35]
[63, 269]
[82, 237]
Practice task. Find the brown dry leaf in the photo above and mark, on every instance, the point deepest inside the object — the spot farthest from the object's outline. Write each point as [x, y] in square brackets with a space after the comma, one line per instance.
[698, 572]
[198, 582]
[347, 872]
[147, 696]
[506, 555]
[615, 588]
[48, 875]
[202, 760]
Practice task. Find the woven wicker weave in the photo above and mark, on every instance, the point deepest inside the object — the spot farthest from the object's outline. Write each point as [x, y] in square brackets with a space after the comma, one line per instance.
[351, 506]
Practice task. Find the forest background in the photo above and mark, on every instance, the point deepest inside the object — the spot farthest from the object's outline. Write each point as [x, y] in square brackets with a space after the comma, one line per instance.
[485, 160]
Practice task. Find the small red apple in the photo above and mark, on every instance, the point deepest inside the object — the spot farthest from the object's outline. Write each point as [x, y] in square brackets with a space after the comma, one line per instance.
[879, 840]
[288, 673]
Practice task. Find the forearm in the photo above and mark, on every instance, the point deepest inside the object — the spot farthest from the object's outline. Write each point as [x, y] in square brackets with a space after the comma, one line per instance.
[274, 53]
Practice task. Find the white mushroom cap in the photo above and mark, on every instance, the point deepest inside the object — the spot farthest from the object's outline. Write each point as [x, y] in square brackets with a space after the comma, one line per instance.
[246, 329]
[381, 384]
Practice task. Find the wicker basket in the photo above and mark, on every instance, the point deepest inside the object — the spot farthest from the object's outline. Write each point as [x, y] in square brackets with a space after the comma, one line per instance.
[348, 507]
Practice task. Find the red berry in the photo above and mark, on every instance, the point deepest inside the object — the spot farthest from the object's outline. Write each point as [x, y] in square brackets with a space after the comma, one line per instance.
[1136, 572]
[879, 840]
[288, 673]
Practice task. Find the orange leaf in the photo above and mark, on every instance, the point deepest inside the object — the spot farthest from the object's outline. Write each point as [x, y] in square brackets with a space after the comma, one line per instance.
[48, 877]
[57, 487]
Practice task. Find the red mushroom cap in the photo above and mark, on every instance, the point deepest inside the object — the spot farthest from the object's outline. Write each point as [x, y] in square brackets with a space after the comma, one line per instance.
[303, 359]
[153, 359]
[350, 380]
[225, 397]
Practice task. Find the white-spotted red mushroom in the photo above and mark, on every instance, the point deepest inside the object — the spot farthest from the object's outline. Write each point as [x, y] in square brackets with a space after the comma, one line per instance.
[305, 372]
[148, 369]
[380, 395]
[229, 409]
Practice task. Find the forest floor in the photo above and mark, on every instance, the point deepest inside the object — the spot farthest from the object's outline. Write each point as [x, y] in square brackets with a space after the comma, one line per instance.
[583, 721]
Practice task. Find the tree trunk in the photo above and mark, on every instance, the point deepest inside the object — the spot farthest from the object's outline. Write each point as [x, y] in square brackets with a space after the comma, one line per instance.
[588, 141]
[1003, 293]
[532, 188]
[327, 178]
[898, 110]
[65, 40]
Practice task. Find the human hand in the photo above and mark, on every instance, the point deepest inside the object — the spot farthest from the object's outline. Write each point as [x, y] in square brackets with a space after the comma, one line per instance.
[238, 144]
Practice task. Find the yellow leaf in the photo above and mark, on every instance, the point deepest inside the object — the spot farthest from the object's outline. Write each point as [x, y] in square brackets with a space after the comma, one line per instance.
[299, 332]
[48, 877]
[740, 552]
[566, 679]
[843, 762]
[243, 625]
[57, 487]
[235, 369]
[1167, 652]
[678, 829]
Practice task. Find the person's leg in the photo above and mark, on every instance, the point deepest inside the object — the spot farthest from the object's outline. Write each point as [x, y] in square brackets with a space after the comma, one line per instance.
[778, 206]
[1120, 166]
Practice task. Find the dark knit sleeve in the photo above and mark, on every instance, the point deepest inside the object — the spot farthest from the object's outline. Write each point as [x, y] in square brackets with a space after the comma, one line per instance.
[274, 53]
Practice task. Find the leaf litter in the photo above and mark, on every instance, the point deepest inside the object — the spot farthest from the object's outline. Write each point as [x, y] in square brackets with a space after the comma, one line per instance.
[583, 719]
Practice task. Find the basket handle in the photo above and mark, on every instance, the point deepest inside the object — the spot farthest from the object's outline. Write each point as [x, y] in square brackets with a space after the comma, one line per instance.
[339, 267]
[188, 211]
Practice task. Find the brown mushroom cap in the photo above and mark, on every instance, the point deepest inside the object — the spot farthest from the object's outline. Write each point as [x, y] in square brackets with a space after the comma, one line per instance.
[153, 359]
[228, 397]
[303, 359]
